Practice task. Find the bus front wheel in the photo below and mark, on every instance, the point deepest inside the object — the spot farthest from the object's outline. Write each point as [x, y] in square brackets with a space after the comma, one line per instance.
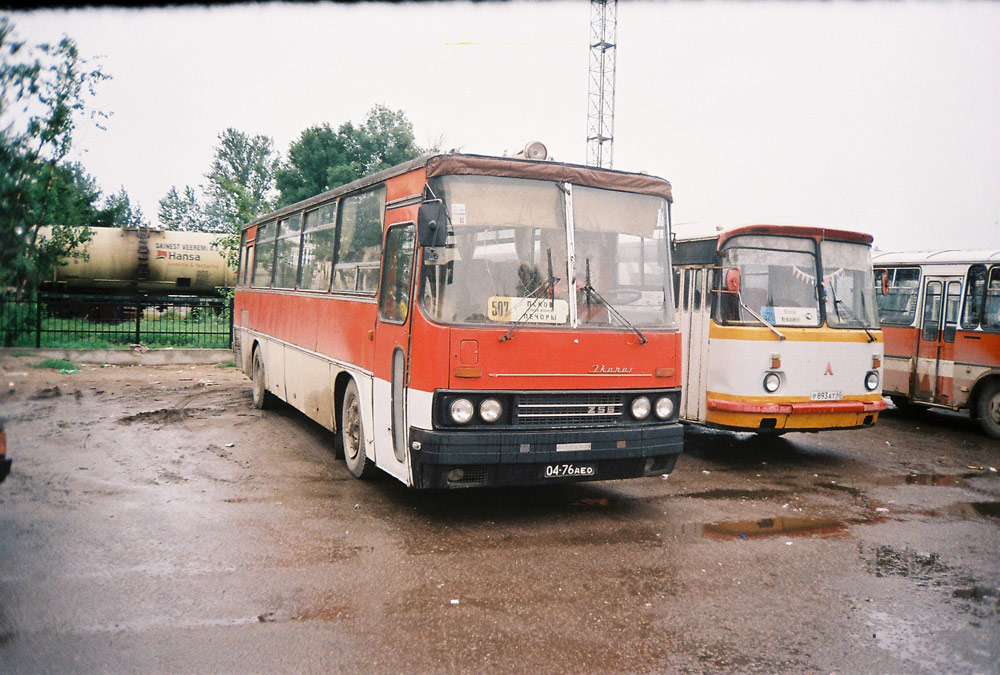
[988, 407]
[353, 434]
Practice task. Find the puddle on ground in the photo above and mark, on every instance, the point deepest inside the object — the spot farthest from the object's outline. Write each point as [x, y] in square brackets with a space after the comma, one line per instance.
[969, 510]
[939, 479]
[767, 527]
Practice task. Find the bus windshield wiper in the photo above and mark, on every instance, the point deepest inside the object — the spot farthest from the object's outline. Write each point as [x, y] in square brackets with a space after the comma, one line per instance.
[591, 292]
[837, 303]
[739, 296]
[537, 294]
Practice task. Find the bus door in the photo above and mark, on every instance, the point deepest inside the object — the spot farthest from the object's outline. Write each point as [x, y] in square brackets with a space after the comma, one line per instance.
[934, 375]
[392, 344]
[695, 304]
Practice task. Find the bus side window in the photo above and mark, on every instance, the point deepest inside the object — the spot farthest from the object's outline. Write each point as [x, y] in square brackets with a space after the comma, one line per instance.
[932, 312]
[686, 290]
[726, 307]
[899, 306]
[696, 304]
[677, 288]
[951, 307]
[286, 256]
[359, 241]
[397, 272]
[991, 308]
[264, 258]
[975, 287]
[247, 264]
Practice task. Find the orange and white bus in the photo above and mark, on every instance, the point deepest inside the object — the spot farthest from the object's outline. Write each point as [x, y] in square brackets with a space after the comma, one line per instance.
[780, 329]
[940, 314]
[464, 320]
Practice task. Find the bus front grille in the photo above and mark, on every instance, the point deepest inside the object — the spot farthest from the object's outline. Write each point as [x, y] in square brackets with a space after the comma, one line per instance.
[569, 410]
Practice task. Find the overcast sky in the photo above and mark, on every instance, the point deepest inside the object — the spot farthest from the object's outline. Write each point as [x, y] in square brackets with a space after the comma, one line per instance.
[879, 117]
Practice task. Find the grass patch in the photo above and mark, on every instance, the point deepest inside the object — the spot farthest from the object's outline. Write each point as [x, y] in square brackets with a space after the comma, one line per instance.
[56, 364]
[227, 364]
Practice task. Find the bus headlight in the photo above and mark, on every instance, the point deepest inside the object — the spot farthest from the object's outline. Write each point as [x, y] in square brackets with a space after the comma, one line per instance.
[640, 407]
[771, 382]
[664, 407]
[871, 381]
[461, 410]
[490, 410]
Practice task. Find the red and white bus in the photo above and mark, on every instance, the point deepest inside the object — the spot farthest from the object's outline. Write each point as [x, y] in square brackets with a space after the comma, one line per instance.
[464, 320]
[780, 329]
[940, 314]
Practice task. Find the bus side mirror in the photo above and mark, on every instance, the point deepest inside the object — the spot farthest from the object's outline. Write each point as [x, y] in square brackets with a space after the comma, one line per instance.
[733, 280]
[432, 223]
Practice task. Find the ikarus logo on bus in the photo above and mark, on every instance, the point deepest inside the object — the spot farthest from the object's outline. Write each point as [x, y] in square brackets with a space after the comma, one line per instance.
[600, 369]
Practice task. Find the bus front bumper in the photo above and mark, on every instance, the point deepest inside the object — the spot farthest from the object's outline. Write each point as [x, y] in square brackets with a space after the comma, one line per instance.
[455, 459]
[792, 416]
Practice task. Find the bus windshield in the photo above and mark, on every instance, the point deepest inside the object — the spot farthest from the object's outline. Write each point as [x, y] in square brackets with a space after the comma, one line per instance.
[506, 258]
[849, 284]
[778, 281]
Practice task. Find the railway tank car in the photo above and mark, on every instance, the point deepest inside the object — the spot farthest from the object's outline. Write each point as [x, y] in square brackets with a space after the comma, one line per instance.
[143, 260]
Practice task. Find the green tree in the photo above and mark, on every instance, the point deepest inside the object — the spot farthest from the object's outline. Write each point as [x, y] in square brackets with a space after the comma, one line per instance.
[124, 212]
[43, 91]
[322, 159]
[186, 212]
[240, 186]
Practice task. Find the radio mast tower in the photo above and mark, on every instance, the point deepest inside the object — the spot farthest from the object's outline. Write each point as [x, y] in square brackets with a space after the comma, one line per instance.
[601, 104]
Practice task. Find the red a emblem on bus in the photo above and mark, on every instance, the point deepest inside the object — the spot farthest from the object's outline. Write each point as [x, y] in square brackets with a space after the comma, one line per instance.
[829, 369]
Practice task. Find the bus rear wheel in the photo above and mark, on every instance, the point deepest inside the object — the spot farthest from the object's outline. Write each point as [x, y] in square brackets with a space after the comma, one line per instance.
[262, 398]
[353, 434]
[988, 408]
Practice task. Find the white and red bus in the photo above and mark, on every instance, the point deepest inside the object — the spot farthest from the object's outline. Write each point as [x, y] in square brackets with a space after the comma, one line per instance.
[940, 313]
[464, 320]
[780, 329]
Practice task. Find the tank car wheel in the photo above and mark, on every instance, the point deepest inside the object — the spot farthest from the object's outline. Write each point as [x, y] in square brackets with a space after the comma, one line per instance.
[988, 408]
[353, 434]
[262, 398]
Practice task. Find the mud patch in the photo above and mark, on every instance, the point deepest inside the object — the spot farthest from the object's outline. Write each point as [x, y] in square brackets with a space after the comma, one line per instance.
[885, 560]
[162, 416]
[47, 392]
[739, 494]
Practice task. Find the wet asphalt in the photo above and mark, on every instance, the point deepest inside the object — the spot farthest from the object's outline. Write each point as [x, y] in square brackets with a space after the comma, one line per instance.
[155, 522]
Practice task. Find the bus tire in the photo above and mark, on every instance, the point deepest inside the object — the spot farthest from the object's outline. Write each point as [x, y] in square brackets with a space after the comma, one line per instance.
[353, 435]
[988, 409]
[262, 398]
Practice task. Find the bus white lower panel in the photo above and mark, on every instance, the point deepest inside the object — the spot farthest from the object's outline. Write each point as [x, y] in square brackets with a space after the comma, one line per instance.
[737, 367]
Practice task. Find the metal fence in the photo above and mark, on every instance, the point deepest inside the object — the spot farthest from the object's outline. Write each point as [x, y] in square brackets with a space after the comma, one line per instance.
[108, 321]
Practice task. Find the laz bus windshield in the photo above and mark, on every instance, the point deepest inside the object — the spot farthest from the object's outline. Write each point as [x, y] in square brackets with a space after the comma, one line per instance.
[509, 246]
[778, 282]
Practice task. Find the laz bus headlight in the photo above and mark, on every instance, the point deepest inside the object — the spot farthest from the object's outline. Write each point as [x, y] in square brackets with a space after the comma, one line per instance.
[871, 381]
[664, 407]
[461, 410]
[771, 382]
[640, 407]
[490, 410]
